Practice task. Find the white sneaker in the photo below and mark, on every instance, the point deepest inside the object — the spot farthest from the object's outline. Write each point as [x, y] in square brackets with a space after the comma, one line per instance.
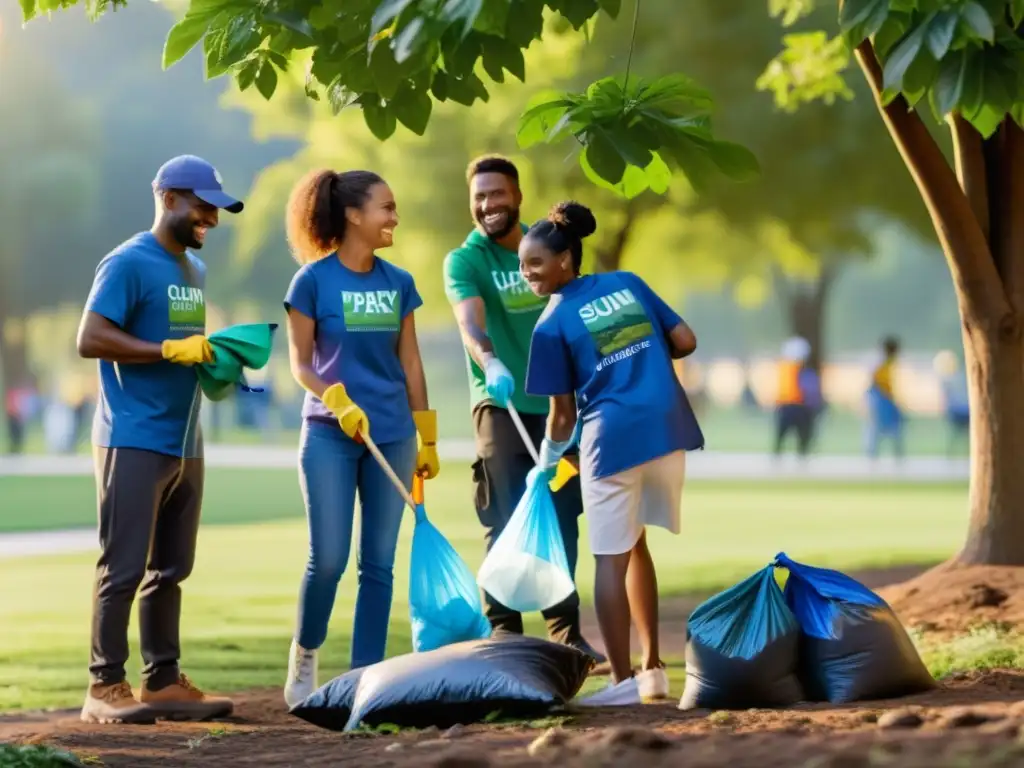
[652, 684]
[302, 672]
[625, 693]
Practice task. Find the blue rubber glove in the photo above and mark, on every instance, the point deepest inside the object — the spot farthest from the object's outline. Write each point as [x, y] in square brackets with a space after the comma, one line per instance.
[500, 384]
[551, 452]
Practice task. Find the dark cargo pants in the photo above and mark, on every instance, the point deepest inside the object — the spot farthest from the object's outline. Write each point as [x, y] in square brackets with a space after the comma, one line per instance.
[499, 479]
[149, 509]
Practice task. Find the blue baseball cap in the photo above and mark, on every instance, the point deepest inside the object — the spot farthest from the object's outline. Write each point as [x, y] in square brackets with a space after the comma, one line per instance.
[194, 174]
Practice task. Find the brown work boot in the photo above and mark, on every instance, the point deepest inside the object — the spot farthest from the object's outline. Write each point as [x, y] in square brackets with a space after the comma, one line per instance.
[181, 700]
[114, 703]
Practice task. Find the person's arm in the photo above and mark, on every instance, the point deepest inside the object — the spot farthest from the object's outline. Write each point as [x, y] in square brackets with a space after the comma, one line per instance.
[562, 418]
[301, 332]
[472, 320]
[412, 364]
[99, 338]
[680, 338]
[682, 341]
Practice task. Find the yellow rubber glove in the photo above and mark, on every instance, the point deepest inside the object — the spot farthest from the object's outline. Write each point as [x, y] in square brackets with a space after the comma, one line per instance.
[189, 351]
[350, 416]
[427, 461]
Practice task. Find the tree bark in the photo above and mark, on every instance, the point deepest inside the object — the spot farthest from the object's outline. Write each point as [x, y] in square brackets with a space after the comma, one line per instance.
[609, 257]
[978, 214]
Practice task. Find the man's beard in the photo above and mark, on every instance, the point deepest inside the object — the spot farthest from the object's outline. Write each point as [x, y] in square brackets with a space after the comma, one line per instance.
[184, 233]
[511, 222]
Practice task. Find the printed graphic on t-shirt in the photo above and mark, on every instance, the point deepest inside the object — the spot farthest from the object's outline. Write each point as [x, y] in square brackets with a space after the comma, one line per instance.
[186, 308]
[371, 310]
[515, 292]
[616, 321]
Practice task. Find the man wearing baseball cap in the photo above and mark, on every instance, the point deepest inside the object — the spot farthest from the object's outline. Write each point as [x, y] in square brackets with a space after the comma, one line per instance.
[145, 321]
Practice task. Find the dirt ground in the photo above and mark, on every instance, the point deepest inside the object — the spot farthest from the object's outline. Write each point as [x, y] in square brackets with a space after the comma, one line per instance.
[973, 719]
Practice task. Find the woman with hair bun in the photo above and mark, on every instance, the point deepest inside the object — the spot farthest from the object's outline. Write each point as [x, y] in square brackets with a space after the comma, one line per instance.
[353, 348]
[602, 351]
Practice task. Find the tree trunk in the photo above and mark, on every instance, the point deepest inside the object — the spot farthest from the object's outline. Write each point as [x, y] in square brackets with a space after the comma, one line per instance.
[609, 257]
[805, 310]
[995, 379]
[978, 213]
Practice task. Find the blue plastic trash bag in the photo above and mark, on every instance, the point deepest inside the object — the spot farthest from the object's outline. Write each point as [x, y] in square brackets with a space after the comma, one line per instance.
[514, 675]
[853, 646]
[444, 602]
[741, 649]
[526, 569]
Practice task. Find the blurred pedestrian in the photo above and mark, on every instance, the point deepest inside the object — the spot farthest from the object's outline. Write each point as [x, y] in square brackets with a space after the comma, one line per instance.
[798, 398]
[496, 314]
[145, 321]
[352, 339]
[885, 417]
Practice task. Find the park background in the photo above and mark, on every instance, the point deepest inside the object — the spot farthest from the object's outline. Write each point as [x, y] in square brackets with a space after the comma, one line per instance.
[831, 242]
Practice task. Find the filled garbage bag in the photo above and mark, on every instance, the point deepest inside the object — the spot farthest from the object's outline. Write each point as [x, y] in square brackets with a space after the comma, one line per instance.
[527, 569]
[741, 648]
[514, 675]
[853, 646]
[444, 602]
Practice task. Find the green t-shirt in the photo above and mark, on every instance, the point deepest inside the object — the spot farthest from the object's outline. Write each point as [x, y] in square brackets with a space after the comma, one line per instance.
[481, 267]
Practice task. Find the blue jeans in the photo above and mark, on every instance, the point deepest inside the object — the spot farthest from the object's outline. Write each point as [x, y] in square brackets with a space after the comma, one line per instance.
[332, 468]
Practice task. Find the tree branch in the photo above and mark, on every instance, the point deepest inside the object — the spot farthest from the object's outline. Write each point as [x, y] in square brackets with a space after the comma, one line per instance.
[1005, 155]
[969, 155]
[956, 225]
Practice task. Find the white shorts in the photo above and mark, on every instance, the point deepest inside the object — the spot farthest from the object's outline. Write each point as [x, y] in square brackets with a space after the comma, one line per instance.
[619, 506]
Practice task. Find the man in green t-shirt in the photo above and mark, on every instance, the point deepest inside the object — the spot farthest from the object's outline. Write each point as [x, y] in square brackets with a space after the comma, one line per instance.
[496, 312]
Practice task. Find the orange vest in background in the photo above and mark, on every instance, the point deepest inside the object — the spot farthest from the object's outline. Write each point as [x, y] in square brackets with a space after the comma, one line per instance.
[789, 385]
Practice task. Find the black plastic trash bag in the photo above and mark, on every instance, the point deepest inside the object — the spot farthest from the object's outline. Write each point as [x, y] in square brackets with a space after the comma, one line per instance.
[464, 683]
[853, 646]
[741, 649]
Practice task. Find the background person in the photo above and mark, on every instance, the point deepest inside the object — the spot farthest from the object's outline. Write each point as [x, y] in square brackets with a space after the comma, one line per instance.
[885, 417]
[145, 321]
[603, 353]
[353, 348]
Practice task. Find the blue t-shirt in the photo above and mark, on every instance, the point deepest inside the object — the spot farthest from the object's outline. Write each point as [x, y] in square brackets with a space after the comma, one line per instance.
[144, 290]
[358, 316]
[604, 338]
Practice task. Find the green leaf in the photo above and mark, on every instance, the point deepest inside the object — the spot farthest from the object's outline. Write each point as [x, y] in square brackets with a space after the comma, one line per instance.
[940, 33]
[499, 54]
[537, 121]
[279, 59]
[526, 24]
[291, 20]
[658, 174]
[466, 90]
[28, 10]
[902, 57]
[611, 7]
[247, 74]
[674, 95]
[577, 12]
[412, 108]
[1018, 114]
[633, 183]
[493, 18]
[1016, 12]
[406, 42]
[463, 12]
[735, 161]
[339, 97]
[379, 119]
[603, 157]
[949, 88]
[266, 80]
[859, 19]
[183, 37]
[977, 17]
[987, 120]
[387, 74]
[386, 13]
[890, 33]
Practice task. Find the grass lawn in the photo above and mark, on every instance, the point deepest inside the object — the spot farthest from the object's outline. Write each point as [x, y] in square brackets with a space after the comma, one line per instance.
[240, 602]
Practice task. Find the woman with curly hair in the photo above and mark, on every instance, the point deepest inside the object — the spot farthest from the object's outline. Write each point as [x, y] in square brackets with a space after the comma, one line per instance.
[353, 348]
[603, 351]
